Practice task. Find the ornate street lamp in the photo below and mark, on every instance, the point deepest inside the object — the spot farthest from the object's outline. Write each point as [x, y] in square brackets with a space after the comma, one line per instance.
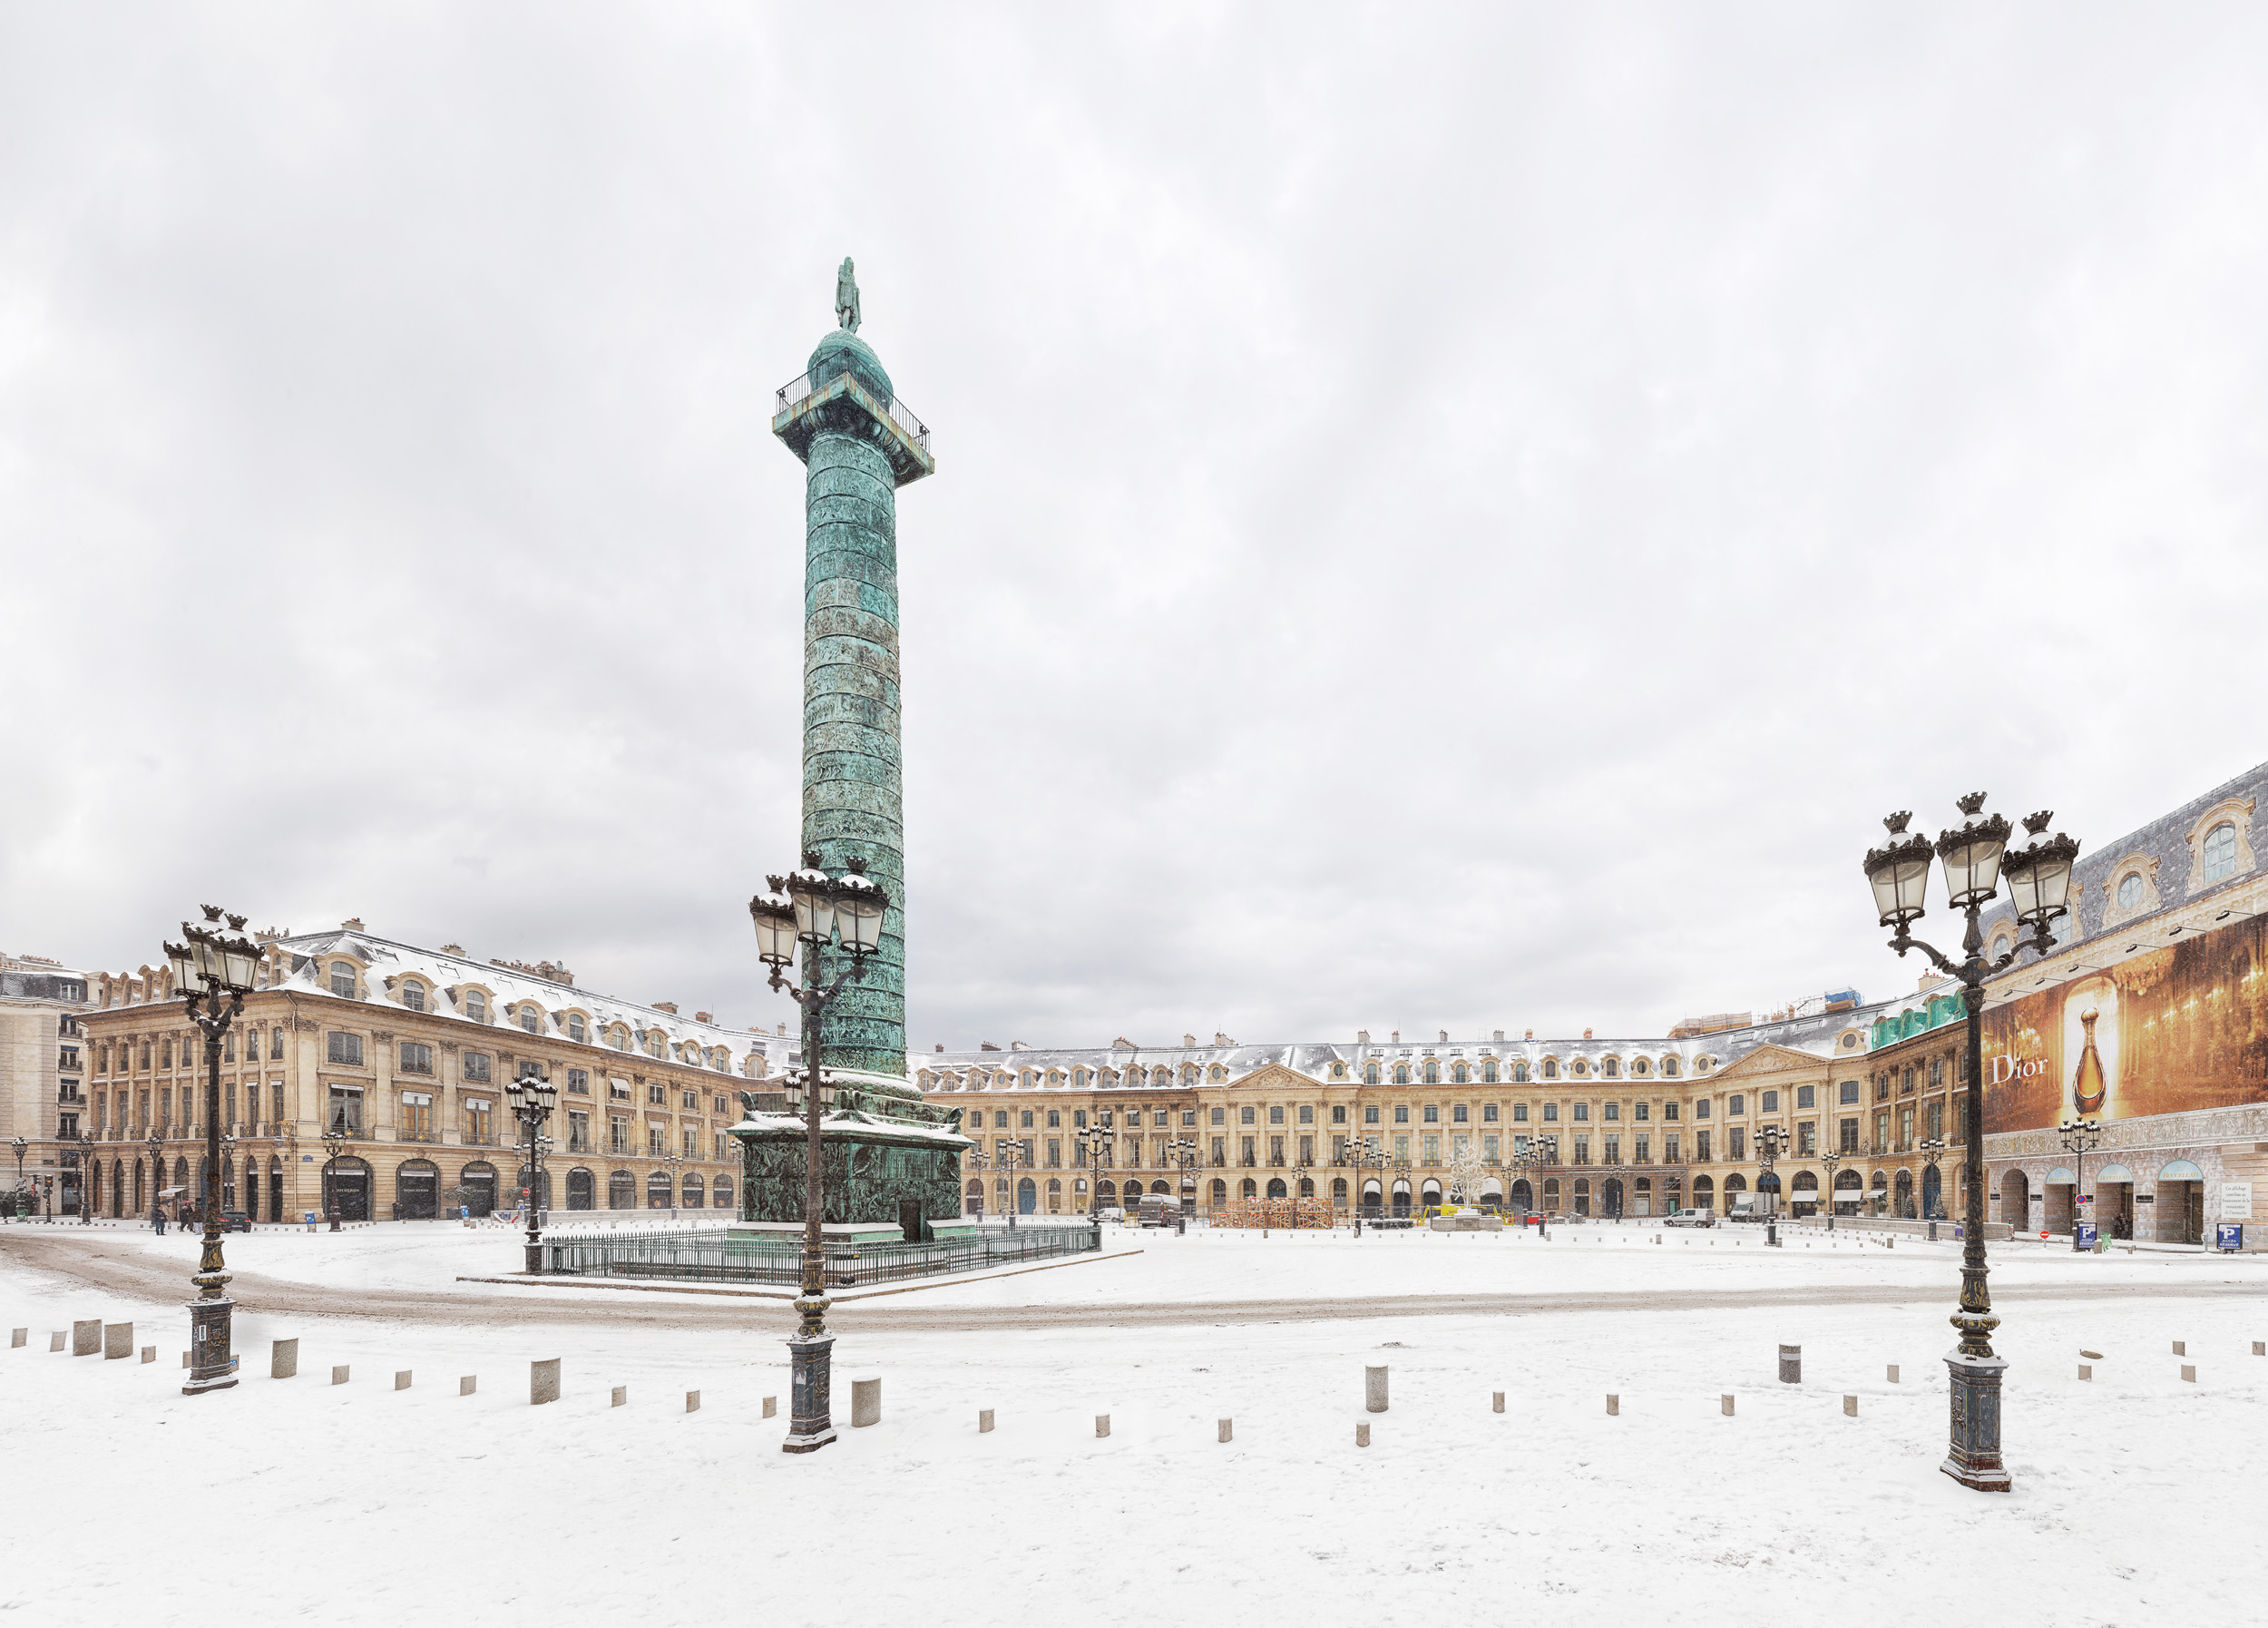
[1973, 858]
[1768, 1151]
[1361, 1155]
[1010, 1157]
[1097, 1137]
[47, 1201]
[86, 1162]
[1832, 1159]
[671, 1163]
[2079, 1138]
[216, 962]
[1300, 1174]
[1932, 1149]
[1547, 1155]
[812, 908]
[974, 1159]
[17, 1204]
[1183, 1151]
[334, 1144]
[531, 1100]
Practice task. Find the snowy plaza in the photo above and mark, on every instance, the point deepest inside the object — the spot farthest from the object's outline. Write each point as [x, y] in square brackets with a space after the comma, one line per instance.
[386, 1500]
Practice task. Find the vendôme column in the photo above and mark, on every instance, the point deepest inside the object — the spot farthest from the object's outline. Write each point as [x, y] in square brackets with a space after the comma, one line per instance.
[859, 444]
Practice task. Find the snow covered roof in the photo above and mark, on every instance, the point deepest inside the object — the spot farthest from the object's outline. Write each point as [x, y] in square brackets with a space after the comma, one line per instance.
[450, 977]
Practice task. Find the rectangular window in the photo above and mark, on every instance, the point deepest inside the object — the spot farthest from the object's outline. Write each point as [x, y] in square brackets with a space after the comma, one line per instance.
[618, 1131]
[1669, 1147]
[1249, 1158]
[1306, 1114]
[1669, 1111]
[346, 1050]
[576, 1031]
[1850, 1093]
[579, 1082]
[476, 1066]
[1220, 1117]
[1275, 1114]
[1275, 1151]
[1401, 1148]
[343, 979]
[1807, 1138]
[1645, 1151]
[1244, 1116]
[1432, 1115]
[1771, 1102]
[1401, 1113]
[1487, 1114]
[1519, 1113]
[578, 1132]
[1614, 1150]
[346, 1108]
[275, 1046]
[1937, 1119]
[1905, 1127]
[692, 1099]
[1849, 1132]
[1582, 1111]
[1369, 1114]
[1338, 1114]
[417, 1115]
[1189, 1118]
[1737, 1106]
[1701, 1146]
[416, 1058]
[1582, 1150]
[477, 1121]
[1804, 1095]
[1701, 1109]
[1644, 1111]
[1306, 1150]
[228, 1050]
[251, 1104]
[1737, 1144]
[653, 1141]
[686, 1137]
[1882, 1128]
[1614, 1109]
[1220, 1151]
[1551, 1112]
[1490, 1145]
[1432, 1147]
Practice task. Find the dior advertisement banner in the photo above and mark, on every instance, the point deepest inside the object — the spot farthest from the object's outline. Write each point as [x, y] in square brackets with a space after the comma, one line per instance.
[2178, 1028]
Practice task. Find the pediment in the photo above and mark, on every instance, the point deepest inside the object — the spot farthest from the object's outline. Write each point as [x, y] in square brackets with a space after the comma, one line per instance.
[1275, 1076]
[1769, 1059]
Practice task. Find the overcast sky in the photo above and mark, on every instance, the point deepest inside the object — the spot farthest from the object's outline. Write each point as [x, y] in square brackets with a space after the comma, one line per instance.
[1443, 519]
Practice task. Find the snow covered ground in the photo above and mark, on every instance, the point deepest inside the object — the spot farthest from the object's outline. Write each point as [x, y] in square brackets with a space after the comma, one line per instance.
[2134, 1493]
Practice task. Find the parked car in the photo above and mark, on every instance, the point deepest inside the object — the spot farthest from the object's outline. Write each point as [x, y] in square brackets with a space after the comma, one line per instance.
[1690, 1218]
[1749, 1207]
[1161, 1209]
[235, 1220]
[1110, 1212]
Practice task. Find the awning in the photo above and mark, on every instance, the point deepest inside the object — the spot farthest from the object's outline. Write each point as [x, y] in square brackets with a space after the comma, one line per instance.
[2181, 1170]
[2113, 1172]
[2060, 1174]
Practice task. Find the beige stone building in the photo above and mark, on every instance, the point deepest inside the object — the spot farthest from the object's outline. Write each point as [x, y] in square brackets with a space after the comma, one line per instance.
[43, 1074]
[407, 1050]
[1642, 1126]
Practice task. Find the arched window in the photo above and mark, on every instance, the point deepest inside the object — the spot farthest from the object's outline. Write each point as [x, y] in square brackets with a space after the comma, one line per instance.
[575, 1029]
[582, 1190]
[1550, 1068]
[1433, 1072]
[1402, 1074]
[475, 1005]
[1611, 1068]
[343, 972]
[720, 1192]
[528, 1019]
[2130, 885]
[1459, 1074]
[1670, 1068]
[1519, 1073]
[413, 995]
[2220, 851]
[1487, 1072]
[621, 1190]
[1251, 1189]
[1370, 1074]
[658, 1191]
[1220, 1191]
[696, 1189]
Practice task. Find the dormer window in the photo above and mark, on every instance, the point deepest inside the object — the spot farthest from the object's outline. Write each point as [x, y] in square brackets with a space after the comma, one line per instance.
[528, 1019]
[575, 1029]
[343, 979]
[619, 1038]
[475, 1005]
[653, 1042]
[413, 995]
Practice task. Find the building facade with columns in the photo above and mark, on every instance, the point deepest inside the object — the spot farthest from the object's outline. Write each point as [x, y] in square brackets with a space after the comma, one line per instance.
[42, 1074]
[1641, 1126]
[407, 1051]
[2150, 1016]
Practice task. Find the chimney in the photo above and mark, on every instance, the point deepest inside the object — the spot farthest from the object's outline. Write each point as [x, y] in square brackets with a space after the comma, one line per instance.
[783, 1028]
[941, 1045]
[1018, 1045]
[1444, 1036]
[668, 1006]
[1221, 1039]
[1587, 1034]
[1362, 1037]
[1499, 1037]
[1531, 1035]
[986, 1045]
[353, 924]
[1188, 1041]
[1397, 1037]
[1123, 1045]
[709, 1017]
[452, 949]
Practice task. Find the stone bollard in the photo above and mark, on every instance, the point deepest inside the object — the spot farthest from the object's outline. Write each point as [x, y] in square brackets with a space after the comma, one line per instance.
[1614, 1405]
[622, 1395]
[865, 1400]
[2189, 1373]
[1102, 1424]
[1725, 1405]
[985, 1421]
[1893, 1373]
[1228, 1430]
[544, 1382]
[283, 1359]
[2260, 1347]
[17, 1336]
[148, 1353]
[1850, 1407]
[54, 1341]
[466, 1386]
[2181, 1348]
[2087, 1371]
[401, 1380]
[1498, 1406]
[117, 1341]
[86, 1338]
[184, 1358]
[1374, 1389]
[692, 1401]
[1791, 1364]
[771, 1405]
[1361, 1434]
[338, 1376]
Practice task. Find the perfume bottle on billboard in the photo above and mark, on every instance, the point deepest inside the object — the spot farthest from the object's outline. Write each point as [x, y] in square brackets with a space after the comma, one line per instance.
[2088, 1088]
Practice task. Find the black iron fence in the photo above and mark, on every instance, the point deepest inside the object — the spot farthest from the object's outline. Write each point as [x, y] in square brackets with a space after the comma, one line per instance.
[717, 1256]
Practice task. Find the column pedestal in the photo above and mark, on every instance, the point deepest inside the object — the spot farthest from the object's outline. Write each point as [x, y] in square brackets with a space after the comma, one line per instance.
[1973, 1458]
[212, 1364]
[811, 1398]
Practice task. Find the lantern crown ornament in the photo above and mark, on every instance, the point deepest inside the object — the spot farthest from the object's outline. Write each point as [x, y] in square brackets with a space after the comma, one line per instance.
[1900, 873]
[1971, 854]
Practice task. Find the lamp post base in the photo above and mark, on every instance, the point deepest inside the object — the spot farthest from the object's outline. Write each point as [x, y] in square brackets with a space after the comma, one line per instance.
[535, 1259]
[810, 1425]
[1973, 1457]
[212, 1364]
